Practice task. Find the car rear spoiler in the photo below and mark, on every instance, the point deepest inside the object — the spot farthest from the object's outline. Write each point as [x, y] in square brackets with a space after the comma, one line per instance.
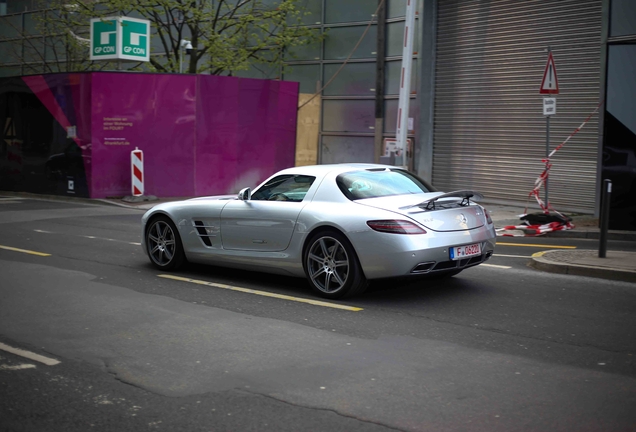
[464, 195]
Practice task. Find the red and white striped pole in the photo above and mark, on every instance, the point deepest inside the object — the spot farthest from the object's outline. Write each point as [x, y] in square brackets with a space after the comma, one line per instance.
[137, 171]
[405, 80]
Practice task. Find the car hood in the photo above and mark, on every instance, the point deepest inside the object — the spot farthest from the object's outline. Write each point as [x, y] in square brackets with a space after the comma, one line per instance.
[445, 214]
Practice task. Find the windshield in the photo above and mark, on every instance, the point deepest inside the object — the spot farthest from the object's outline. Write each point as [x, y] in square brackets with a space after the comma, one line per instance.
[380, 183]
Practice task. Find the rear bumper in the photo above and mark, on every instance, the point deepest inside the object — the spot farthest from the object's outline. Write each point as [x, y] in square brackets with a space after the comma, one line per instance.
[385, 255]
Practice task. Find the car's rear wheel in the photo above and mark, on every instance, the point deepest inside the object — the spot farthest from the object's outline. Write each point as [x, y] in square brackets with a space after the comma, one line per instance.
[164, 244]
[332, 266]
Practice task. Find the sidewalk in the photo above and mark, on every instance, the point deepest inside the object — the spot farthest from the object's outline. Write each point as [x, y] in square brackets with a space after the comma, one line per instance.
[617, 265]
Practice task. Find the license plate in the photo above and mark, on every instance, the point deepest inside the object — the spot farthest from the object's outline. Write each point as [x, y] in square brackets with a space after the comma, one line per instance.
[461, 252]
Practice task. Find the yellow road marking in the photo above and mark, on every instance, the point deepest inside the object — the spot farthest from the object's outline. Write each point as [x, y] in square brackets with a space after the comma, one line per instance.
[24, 251]
[262, 293]
[537, 245]
[538, 254]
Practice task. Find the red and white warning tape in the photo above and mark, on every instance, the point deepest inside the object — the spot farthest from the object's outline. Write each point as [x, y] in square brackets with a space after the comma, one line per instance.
[532, 230]
[546, 207]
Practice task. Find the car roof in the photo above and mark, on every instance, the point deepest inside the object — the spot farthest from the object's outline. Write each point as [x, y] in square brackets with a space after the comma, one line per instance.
[322, 170]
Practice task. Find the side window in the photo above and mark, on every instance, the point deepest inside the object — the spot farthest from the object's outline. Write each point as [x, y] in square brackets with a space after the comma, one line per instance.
[284, 188]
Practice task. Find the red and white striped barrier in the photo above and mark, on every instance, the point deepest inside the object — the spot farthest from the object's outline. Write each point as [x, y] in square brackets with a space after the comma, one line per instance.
[137, 171]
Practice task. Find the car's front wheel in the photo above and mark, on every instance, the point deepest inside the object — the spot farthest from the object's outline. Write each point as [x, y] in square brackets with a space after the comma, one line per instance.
[164, 244]
[332, 266]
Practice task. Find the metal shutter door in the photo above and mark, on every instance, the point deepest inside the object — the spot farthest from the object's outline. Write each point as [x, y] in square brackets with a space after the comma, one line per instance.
[490, 130]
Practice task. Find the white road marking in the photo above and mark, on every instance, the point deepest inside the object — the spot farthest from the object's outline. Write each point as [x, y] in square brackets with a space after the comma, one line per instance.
[89, 237]
[28, 354]
[512, 256]
[496, 266]
[17, 367]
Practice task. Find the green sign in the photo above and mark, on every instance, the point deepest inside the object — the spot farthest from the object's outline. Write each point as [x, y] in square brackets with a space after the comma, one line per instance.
[135, 39]
[103, 39]
[120, 38]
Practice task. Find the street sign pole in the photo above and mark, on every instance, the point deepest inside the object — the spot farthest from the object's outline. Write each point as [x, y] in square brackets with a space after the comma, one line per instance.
[549, 86]
[547, 149]
[547, 155]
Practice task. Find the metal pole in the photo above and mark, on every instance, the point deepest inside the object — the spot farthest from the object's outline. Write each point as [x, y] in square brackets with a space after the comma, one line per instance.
[405, 81]
[547, 152]
[605, 211]
[379, 82]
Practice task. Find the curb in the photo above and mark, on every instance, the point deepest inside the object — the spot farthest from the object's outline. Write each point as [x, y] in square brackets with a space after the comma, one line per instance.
[83, 200]
[541, 263]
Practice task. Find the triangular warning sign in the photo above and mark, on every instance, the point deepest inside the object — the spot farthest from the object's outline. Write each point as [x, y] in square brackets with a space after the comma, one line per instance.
[550, 83]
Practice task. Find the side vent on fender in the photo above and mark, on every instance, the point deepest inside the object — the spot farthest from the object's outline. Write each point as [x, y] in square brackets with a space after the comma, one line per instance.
[203, 234]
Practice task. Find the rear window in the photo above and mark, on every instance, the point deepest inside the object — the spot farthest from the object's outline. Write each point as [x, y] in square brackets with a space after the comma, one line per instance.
[380, 183]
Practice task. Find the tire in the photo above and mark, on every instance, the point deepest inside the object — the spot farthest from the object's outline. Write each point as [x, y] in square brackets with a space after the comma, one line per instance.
[163, 244]
[332, 267]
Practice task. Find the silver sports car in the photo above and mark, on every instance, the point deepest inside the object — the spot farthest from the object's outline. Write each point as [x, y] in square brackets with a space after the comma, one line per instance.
[338, 225]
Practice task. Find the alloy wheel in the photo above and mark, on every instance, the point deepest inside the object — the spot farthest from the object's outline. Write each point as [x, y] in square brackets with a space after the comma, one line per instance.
[161, 243]
[328, 264]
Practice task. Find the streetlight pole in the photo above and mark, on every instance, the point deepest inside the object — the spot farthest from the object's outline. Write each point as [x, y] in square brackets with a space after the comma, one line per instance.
[184, 45]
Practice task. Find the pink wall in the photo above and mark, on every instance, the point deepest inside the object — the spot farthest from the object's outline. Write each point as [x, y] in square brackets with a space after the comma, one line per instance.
[201, 134]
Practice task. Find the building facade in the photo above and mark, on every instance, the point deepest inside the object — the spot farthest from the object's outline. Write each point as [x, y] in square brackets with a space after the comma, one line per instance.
[477, 113]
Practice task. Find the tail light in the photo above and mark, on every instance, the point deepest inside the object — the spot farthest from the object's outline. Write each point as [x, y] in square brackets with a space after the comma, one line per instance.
[488, 218]
[395, 227]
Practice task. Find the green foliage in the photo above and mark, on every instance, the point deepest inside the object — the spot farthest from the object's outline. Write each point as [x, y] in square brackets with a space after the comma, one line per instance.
[227, 35]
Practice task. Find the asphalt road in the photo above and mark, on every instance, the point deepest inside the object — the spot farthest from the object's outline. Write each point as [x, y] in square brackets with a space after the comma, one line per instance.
[500, 347]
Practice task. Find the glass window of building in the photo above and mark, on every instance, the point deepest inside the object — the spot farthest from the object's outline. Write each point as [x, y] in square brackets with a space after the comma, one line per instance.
[622, 18]
[340, 41]
[307, 75]
[339, 11]
[343, 149]
[619, 144]
[348, 115]
[355, 79]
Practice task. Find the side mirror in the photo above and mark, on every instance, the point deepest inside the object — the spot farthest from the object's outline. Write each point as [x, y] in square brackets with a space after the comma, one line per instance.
[245, 194]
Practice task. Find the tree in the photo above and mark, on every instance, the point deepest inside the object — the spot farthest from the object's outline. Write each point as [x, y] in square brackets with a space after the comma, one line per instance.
[227, 36]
